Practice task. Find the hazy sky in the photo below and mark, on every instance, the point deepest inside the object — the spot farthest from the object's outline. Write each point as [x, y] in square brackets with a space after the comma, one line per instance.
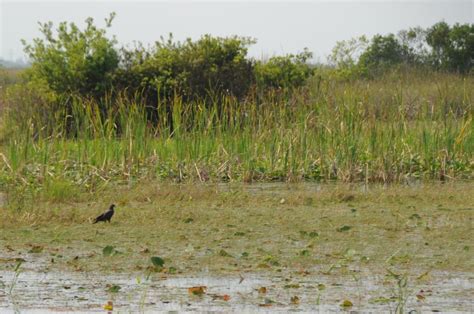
[279, 26]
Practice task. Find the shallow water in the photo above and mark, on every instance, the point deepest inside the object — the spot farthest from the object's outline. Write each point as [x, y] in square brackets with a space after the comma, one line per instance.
[37, 291]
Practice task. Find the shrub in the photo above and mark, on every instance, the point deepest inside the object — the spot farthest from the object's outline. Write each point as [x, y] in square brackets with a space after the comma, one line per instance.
[74, 61]
[204, 70]
[192, 69]
[284, 72]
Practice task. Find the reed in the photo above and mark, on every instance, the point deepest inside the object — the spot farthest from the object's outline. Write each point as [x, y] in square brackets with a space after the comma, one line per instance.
[393, 129]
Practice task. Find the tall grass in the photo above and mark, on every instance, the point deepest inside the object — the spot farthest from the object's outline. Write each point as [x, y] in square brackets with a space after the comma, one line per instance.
[392, 129]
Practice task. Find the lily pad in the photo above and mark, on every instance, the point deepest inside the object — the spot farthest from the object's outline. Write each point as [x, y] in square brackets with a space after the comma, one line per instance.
[346, 304]
[305, 253]
[113, 288]
[109, 250]
[344, 228]
[157, 261]
[224, 253]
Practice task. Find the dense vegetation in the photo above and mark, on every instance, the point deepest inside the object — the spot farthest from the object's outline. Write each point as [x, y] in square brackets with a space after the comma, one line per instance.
[87, 114]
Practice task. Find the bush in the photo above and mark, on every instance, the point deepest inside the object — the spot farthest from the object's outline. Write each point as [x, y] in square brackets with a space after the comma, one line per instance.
[284, 72]
[192, 69]
[172, 72]
[74, 61]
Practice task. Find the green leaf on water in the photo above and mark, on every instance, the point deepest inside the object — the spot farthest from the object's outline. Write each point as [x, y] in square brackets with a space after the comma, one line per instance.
[313, 234]
[172, 270]
[224, 253]
[113, 288]
[109, 250]
[157, 261]
[305, 253]
[344, 228]
[321, 286]
[346, 304]
[415, 216]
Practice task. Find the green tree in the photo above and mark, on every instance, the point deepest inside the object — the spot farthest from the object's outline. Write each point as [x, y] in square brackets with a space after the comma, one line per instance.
[414, 44]
[346, 52]
[461, 49]
[383, 52]
[286, 72]
[437, 38]
[73, 60]
[452, 47]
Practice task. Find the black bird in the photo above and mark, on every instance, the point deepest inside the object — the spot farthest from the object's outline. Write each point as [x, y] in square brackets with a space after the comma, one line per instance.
[106, 216]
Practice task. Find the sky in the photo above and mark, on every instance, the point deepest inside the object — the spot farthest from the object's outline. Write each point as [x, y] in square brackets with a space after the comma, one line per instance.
[280, 27]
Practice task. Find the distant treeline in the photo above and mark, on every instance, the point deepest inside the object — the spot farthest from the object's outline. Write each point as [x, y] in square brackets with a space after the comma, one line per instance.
[87, 62]
[440, 47]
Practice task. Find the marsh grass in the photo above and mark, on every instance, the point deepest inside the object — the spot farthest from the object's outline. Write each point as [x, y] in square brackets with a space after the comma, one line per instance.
[401, 127]
[17, 272]
[190, 225]
[415, 232]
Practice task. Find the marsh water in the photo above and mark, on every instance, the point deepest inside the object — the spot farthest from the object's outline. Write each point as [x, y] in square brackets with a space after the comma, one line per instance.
[36, 287]
[36, 291]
